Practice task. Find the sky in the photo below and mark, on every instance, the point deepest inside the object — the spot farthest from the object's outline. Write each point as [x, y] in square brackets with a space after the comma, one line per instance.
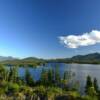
[49, 28]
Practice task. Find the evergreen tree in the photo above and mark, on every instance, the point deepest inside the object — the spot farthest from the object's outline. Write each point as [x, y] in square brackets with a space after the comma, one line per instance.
[88, 84]
[15, 74]
[57, 75]
[6, 75]
[28, 78]
[95, 85]
[50, 76]
[10, 78]
[2, 72]
[65, 77]
[44, 77]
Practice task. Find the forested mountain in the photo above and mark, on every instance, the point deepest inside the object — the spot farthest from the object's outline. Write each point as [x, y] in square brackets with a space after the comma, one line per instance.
[30, 61]
[93, 58]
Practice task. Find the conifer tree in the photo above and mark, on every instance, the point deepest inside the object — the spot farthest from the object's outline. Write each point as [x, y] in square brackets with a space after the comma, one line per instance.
[95, 83]
[57, 74]
[28, 78]
[88, 84]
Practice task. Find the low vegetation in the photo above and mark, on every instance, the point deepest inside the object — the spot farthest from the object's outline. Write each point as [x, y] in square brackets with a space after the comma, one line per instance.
[50, 86]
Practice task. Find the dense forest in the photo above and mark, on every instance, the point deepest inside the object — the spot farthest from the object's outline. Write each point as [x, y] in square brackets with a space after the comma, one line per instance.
[50, 86]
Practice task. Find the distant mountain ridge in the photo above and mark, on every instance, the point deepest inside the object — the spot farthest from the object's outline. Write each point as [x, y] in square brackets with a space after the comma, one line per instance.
[10, 58]
[89, 58]
[92, 55]
[32, 59]
[4, 58]
[29, 61]
[93, 58]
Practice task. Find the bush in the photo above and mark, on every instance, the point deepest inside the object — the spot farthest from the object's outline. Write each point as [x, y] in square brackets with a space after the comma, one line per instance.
[13, 87]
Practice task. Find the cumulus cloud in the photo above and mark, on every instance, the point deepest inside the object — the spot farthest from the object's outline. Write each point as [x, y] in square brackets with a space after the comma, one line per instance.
[86, 39]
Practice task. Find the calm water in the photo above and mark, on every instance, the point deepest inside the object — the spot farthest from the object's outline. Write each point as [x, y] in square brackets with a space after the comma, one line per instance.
[81, 71]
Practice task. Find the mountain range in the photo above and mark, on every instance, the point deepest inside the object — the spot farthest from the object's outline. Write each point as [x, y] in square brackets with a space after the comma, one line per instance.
[4, 58]
[93, 58]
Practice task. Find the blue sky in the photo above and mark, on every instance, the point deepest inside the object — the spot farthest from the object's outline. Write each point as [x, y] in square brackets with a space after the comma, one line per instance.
[32, 27]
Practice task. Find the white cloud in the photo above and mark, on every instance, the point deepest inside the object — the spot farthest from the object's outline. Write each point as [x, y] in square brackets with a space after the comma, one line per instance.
[86, 39]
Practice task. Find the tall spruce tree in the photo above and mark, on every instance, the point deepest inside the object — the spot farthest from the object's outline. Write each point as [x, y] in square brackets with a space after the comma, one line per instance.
[15, 73]
[95, 83]
[28, 78]
[44, 77]
[57, 75]
[2, 72]
[88, 84]
[10, 77]
[50, 76]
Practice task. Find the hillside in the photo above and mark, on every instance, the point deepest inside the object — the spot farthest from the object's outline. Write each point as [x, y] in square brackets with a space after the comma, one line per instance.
[93, 58]
[30, 61]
